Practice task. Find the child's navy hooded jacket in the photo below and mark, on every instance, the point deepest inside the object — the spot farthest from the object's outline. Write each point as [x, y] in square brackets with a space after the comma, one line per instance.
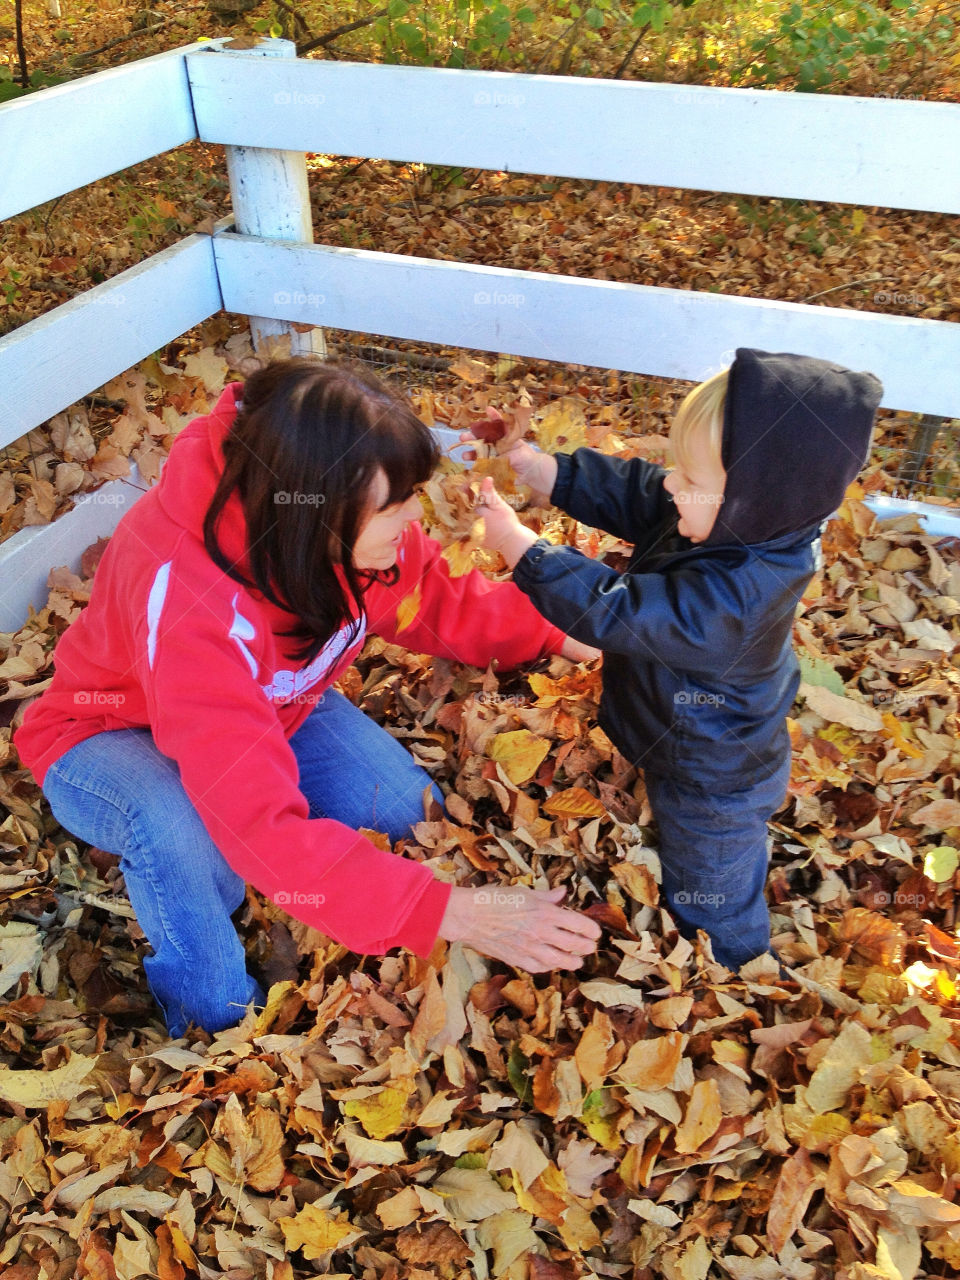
[698, 669]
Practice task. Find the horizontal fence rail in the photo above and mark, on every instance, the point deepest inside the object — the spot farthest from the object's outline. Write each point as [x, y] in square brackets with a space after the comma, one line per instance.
[61, 138]
[868, 151]
[80, 345]
[672, 333]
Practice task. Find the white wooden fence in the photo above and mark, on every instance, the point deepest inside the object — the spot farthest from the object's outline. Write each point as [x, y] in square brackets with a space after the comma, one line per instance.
[267, 111]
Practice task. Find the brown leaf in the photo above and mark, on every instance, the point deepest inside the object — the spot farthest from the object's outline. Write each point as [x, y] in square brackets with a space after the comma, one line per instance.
[795, 1186]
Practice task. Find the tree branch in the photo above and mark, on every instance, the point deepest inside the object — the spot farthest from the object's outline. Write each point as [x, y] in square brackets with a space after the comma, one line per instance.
[21, 47]
[132, 35]
[320, 41]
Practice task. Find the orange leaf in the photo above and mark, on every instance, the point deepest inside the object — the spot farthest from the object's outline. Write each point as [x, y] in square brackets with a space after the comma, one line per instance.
[651, 1064]
[702, 1119]
[408, 608]
[575, 802]
[594, 1049]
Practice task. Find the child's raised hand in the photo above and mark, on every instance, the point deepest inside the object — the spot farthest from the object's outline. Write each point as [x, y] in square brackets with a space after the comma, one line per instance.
[503, 531]
[532, 467]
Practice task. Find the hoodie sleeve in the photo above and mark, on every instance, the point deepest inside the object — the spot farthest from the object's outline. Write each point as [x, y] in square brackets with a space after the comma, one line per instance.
[468, 618]
[683, 619]
[209, 714]
[622, 496]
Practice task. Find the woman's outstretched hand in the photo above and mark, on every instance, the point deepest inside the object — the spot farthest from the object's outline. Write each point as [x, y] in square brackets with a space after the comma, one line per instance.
[523, 927]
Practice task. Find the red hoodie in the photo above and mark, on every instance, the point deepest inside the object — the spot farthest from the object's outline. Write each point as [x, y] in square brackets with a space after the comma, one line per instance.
[171, 643]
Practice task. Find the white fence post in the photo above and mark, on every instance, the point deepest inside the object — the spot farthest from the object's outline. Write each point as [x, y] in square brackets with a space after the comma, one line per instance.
[271, 199]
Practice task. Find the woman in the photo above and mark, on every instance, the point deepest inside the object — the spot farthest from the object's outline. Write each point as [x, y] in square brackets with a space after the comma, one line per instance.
[191, 727]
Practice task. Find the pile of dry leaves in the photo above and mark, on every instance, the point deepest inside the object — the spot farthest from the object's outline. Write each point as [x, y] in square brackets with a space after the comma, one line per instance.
[648, 1115]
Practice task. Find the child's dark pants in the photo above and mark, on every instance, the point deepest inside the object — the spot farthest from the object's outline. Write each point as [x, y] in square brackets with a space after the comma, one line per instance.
[713, 849]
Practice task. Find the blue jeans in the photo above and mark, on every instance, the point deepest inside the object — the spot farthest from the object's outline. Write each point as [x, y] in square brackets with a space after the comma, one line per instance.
[713, 852]
[118, 793]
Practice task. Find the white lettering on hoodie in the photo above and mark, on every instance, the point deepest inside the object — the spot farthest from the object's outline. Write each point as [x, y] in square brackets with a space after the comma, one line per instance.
[288, 684]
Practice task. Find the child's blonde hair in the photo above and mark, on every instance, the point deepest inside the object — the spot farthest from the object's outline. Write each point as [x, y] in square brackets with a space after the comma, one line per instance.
[698, 424]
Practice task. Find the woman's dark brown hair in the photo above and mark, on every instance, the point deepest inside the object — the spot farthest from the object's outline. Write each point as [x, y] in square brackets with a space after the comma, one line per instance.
[301, 456]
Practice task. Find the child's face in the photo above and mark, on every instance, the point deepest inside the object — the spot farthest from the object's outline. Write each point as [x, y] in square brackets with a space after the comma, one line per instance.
[696, 486]
[379, 540]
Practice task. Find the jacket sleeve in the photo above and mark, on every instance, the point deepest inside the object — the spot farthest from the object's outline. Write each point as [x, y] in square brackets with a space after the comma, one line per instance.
[622, 496]
[210, 716]
[683, 619]
[468, 618]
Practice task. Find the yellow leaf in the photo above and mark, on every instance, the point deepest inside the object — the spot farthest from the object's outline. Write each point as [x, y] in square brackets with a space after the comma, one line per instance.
[382, 1113]
[520, 753]
[408, 608]
[603, 1129]
[898, 736]
[459, 556]
[575, 802]
[859, 220]
[40, 1088]
[573, 687]
[940, 864]
[562, 427]
[315, 1232]
[275, 998]
[546, 1196]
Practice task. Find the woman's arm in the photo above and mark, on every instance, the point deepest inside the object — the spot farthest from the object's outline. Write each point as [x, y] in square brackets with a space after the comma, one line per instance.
[469, 618]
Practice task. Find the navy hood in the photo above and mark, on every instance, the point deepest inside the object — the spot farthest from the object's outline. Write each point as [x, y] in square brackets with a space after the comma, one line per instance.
[796, 432]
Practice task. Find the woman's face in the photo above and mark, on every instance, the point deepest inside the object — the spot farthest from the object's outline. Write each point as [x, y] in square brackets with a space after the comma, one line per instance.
[376, 547]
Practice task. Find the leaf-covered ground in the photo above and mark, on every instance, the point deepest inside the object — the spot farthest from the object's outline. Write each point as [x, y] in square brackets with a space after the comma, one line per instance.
[651, 1115]
[648, 1115]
